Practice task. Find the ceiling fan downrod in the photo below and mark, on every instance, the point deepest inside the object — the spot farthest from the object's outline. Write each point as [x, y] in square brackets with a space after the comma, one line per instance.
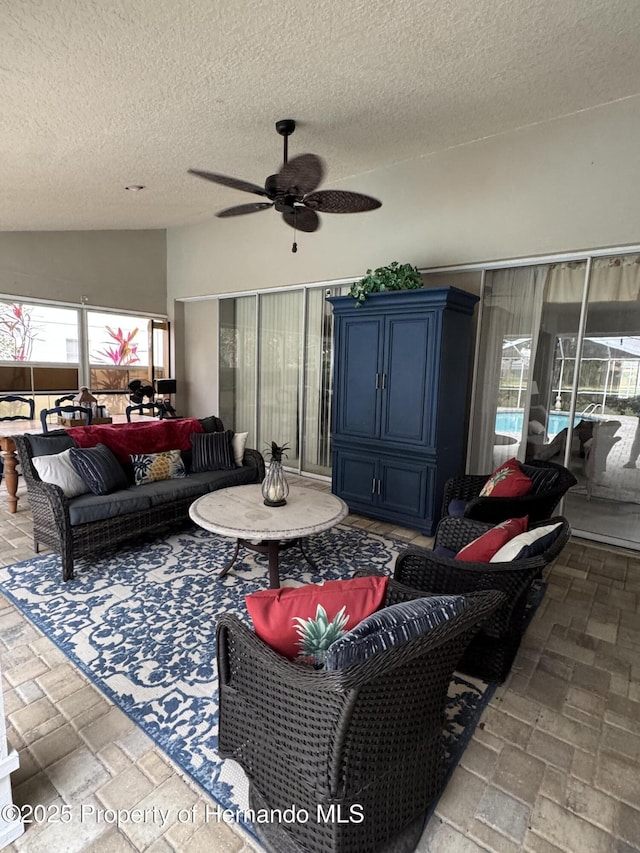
[285, 128]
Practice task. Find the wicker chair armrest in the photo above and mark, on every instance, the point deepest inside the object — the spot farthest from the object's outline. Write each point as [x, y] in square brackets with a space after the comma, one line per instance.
[256, 460]
[493, 510]
[442, 574]
[463, 488]
[254, 655]
[454, 533]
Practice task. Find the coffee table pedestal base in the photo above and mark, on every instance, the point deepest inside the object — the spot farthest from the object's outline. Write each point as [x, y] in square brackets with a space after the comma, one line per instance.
[272, 548]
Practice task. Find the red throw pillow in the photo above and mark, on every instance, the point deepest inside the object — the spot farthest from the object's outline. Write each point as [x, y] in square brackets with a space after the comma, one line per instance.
[507, 481]
[482, 549]
[279, 615]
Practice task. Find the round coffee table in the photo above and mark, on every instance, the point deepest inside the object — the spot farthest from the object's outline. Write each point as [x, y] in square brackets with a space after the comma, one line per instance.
[239, 512]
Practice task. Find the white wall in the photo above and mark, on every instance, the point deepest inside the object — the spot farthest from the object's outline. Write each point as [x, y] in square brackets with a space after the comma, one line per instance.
[113, 269]
[569, 184]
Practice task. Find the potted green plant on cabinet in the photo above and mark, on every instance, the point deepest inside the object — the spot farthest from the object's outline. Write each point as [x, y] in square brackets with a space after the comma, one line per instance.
[394, 276]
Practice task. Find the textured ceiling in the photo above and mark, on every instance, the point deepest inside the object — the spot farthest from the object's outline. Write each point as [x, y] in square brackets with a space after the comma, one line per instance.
[98, 94]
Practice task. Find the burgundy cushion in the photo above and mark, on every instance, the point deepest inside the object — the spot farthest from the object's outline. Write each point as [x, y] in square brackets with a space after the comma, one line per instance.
[507, 481]
[482, 549]
[283, 617]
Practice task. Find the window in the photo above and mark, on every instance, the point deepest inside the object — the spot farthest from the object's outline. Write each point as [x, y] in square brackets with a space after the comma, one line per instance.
[43, 352]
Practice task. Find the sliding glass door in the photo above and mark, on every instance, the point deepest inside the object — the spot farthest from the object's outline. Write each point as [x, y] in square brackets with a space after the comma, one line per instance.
[558, 378]
[276, 359]
[604, 455]
[279, 371]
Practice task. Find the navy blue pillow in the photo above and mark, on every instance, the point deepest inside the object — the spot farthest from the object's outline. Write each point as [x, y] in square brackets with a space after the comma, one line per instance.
[457, 507]
[212, 451]
[441, 551]
[51, 442]
[392, 626]
[99, 469]
[211, 424]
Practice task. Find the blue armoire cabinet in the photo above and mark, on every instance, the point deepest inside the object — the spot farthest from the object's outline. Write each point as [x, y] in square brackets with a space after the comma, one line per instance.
[400, 390]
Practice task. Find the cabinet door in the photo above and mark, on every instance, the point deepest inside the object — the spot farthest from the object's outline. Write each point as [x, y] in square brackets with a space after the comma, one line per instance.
[358, 375]
[405, 488]
[409, 393]
[354, 477]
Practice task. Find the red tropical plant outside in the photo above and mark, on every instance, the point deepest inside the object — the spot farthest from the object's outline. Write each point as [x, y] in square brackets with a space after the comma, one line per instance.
[124, 352]
[16, 332]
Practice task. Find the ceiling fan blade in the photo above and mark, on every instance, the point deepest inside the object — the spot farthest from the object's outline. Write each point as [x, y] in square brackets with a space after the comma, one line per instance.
[302, 219]
[301, 175]
[340, 201]
[240, 209]
[226, 181]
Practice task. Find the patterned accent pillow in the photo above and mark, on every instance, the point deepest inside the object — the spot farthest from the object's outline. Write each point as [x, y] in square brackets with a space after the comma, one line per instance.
[482, 549]
[507, 481]
[302, 622]
[212, 451]
[392, 626]
[150, 467]
[99, 468]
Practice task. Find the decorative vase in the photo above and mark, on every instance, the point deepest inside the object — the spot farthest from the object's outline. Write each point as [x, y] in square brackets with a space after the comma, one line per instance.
[274, 486]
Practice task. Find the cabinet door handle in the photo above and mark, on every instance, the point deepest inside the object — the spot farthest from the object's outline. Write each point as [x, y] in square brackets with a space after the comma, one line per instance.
[377, 381]
[384, 380]
[379, 485]
[373, 487]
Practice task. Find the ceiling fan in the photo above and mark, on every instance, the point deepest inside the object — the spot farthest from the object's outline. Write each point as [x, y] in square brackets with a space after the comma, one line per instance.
[292, 191]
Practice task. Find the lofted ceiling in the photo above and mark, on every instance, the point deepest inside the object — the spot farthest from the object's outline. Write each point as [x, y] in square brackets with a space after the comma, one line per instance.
[99, 94]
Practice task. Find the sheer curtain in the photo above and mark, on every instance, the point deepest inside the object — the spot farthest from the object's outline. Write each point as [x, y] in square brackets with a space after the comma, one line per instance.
[511, 310]
[280, 364]
[237, 365]
[318, 381]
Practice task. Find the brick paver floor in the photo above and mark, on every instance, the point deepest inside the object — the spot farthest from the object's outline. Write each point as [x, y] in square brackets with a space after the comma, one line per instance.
[554, 764]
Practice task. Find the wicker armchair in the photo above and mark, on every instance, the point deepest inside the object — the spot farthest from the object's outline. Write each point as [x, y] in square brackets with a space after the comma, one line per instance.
[491, 652]
[538, 505]
[360, 749]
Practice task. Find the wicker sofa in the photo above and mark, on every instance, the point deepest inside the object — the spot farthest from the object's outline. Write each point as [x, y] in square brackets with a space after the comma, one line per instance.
[86, 525]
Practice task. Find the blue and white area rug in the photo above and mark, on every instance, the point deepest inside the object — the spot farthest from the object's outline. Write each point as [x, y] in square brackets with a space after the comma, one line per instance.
[141, 625]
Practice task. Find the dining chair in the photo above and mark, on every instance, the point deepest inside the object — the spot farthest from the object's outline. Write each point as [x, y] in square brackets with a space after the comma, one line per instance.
[68, 398]
[155, 410]
[63, 411]
[29, 416]
[29, 402]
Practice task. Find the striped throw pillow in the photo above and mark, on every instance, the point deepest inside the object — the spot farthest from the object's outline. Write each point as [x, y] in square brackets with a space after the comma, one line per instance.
[99, 468]
[212, 451]
[392, 626]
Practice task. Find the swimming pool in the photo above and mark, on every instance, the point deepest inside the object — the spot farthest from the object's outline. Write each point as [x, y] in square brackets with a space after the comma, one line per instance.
[511, 422]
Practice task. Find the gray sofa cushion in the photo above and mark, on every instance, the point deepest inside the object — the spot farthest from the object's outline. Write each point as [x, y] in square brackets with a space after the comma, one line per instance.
[196, 484]
[90, 507]
[165, 491]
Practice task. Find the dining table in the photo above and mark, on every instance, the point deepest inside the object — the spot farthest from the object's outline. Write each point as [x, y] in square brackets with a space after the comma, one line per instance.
[8, 451]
